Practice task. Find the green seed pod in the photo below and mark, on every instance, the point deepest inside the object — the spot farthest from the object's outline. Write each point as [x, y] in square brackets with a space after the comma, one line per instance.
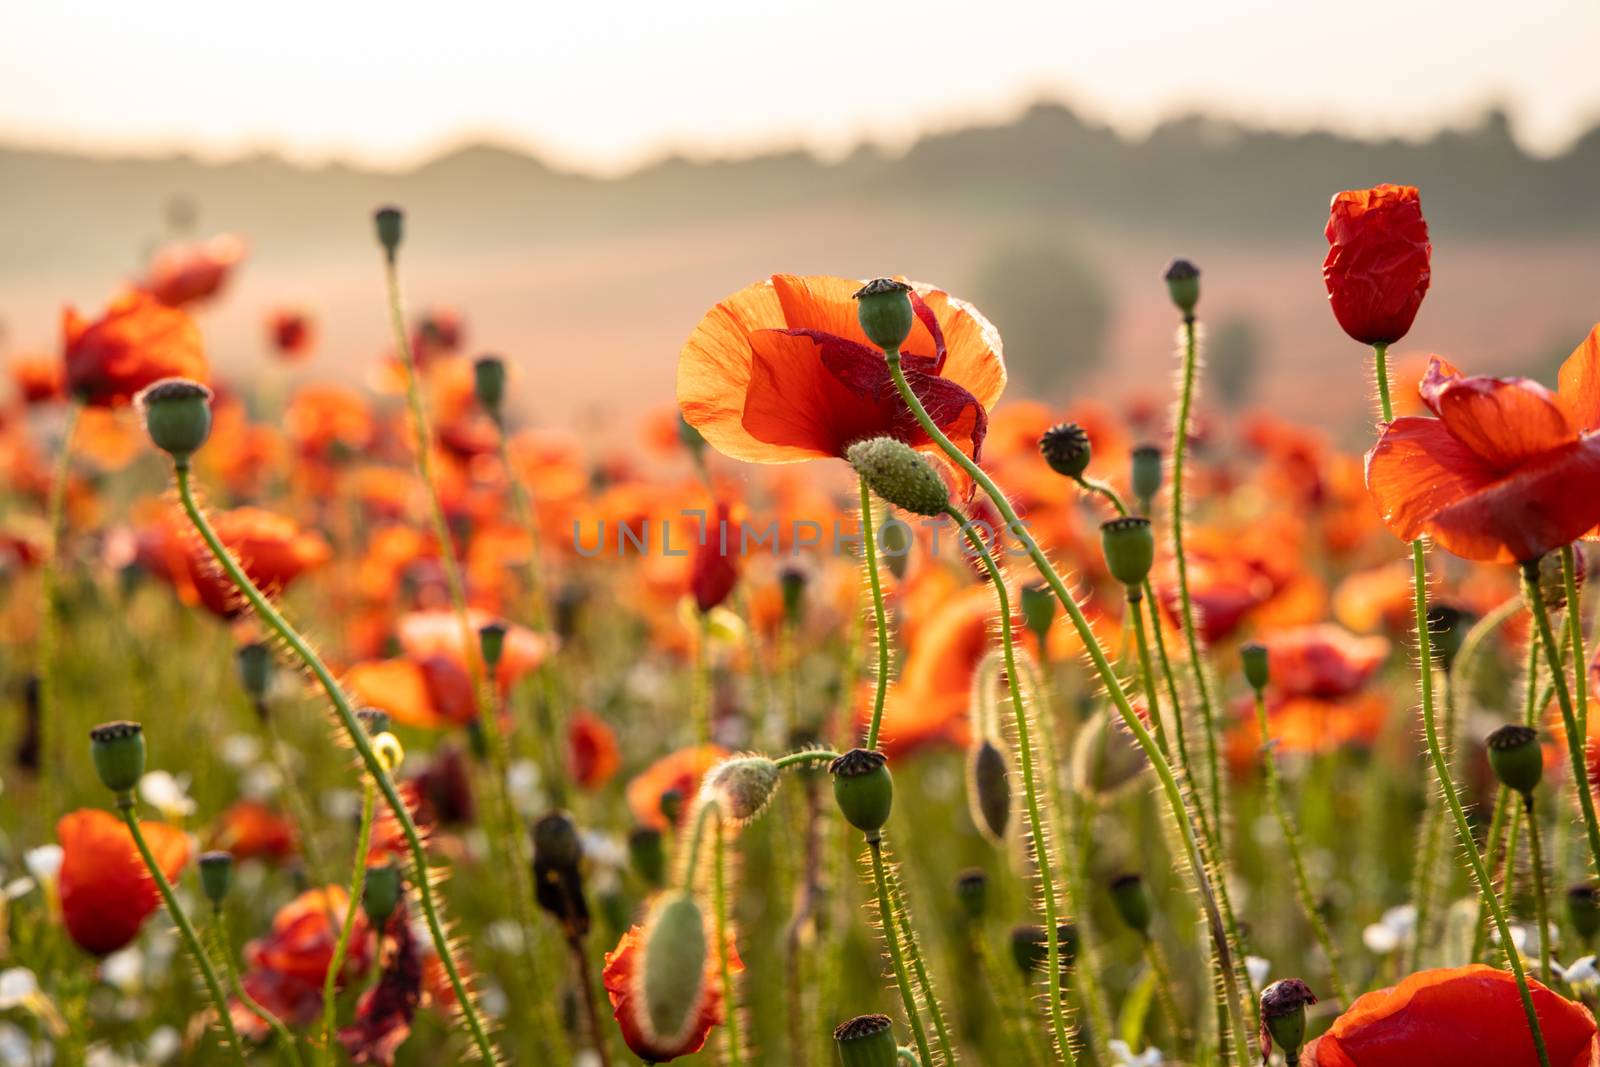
[380, 893]
[1028, 947]
[216, 875]
[1583, 909]
[988, 790]
[1183, 285]
[866, 1041]
[373, 720]
[1448, 626]
[492, 643]
[648, 854]
[1257, 665]
[1132, 900]
[489, 383]
[1145, 475]
[555, 840]
[792, 583]
[742, 786]
[390, 224]
[118, 751]
[1066, 448]
[894, 543]
[1130, 549]
[1516, 756]
[674, 965]
[972, 890]
[863, 789]
[1038, 609]
[672, 805]
[900, 474]
[1283, 1017]
[254, 662]
[884, 308]
[177, 416]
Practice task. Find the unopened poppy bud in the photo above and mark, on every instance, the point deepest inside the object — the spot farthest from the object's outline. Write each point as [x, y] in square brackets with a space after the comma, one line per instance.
[373, 720]
[1283, 1018]
[557, 874]
[386, 746]
[118, 751]
[674, 965]
[177, 416]
[742, 787]
[1038, 609]
[254, 662]
[972, 890]
[1028, 947]
[1583, 909]
[1256, 661]
[556, 841]
[866, 1041]
[1130, 549]
[884, 307]
[792, 583]
[1448, 626]
[1145, 474]
[1066, 448]
[1516, 756]
[380, 893]
[988, 790]
[900, 474]
[390, 223]
[863, 789]
[492, 643]
[648, 855]
[1132, 900]
[1183, 285]
[894, 542]
[216, 875]
[671, 805]
[489, 383]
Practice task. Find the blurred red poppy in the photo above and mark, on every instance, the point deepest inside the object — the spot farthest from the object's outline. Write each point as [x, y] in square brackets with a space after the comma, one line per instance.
[384, 1012]
[106, 892]
[286, 968]
[592, 753]
[1507, 471]
[186, 274]
[272, 549]
[678, 772]
[627, 1001]
[138, 341]
[1377, 269]
[292, 334]
[40, 379]
[713, 570]
[250, 829]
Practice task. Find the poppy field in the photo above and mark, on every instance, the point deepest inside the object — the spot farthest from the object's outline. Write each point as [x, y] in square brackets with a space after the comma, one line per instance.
[851, 709]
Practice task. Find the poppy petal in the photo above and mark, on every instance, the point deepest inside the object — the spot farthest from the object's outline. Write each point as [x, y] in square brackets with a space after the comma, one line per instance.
[798, 406]
[1503, 420]
[1579, 383]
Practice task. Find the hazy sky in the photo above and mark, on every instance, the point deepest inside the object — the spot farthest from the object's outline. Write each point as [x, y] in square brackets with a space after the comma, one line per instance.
[606, 86]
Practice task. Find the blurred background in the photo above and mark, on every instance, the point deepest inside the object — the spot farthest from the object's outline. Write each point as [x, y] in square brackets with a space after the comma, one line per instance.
[583, 182]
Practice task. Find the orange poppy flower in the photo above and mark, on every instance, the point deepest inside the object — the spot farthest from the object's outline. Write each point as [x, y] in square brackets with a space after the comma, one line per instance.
[680, 771]
[272, 549]
[592, 753]
[1465, 1016]
[106, 892]
[291, 333]
[250, 829]
[185, 274]
[1323, 660]
[40, 379]
[1507, 472]
[1377, 269]
[781, 371]
[327, 419]
[627, 1001]
[138, 341]
[286, 968]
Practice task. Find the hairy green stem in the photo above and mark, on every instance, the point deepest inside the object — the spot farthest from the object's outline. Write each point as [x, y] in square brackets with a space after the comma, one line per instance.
[1541, 902]
[219, 936]
[880, 616]
[919, 971]
[341, 948]
[891, 938]
[1580, 662]
[719, 903]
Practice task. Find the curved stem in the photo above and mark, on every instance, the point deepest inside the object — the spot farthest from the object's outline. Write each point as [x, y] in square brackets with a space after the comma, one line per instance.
[1540, 900]
[891, 938]
[191, 940]
[1580, 662]
[357, 735]
[919, 971]
[286, 1041]
[1151, 698]
[880, 616]
[341, 948]
[719, 902]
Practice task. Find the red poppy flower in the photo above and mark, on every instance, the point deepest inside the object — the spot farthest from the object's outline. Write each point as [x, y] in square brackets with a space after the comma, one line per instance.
[680, 771]
[384, 1012]
[628, 1007]
[1465, 1016]
[1377, 268]
[106, 892]
[138, 341]
[781, 371]
[1508, 471]
[272, 549]
[713, 570]
[292, 333]
[181, 275]
[592, 753]
[251, 829]
[1323, 660]
[40, 379]
[286, 968]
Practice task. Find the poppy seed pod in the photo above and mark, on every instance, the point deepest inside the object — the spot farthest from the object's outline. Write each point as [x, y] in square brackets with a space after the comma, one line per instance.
[988, 790]
[254, 663]
[648, 855]
[1132, 900]
[373, 720]
[742, 787]
[1256, 661]
[177, 416]
[863, 789]
[900, 474]
[492, 642]
[1583, 909]
[1283, 1017]
[390, 223]
[972, 890]
[671, 805]
[216, 875]
[118, 751]
[489, 383]
[1145, 476]
[1038, 609]
[1130, 549]
[556, 841]
[674, 965]
[866, 1041]
[1066, 448]
[380, 893]
[1183, 285]
[884, 307]
[792, 584]
[1448, 626]
[1030, 947]
[1517, 758]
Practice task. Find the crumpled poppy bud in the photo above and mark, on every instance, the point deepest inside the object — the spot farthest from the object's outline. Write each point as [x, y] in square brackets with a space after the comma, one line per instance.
[1183, 285]
[884, 307]
[1283, 1018]
[1066, 448]
[492, 642]
[390, 223]
[1517, 758]
[674, 965]
[742, 787]
[649, 857]
[1583, 909]
[1038, 609]
[1130, 549]
[866, 1041]
[380, 893]
[1132, 900]
[1257, 662]
[489, 383]
[119, 755]
[254, 662]
[863, 789]
[177, 416]
[216, 875]
[972, 890]
[988, 789]
[900, 474]
[1145, 473]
